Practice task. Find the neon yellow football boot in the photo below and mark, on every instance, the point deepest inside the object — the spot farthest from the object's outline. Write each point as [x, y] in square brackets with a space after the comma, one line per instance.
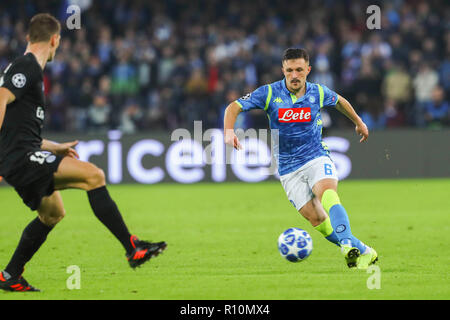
[367, 259]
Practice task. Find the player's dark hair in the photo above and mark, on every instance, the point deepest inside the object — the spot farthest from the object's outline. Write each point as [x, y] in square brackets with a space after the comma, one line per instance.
[294, 53]
[42, 27]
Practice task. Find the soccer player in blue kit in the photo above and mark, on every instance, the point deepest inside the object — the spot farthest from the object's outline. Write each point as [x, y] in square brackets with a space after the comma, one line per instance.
[39, 169]
[307, 173]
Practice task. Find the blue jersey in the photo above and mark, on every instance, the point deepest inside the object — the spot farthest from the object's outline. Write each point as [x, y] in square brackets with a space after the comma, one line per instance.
[296, 124]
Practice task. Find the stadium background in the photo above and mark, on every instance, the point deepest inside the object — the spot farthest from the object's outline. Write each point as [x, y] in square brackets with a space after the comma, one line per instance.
[149, 65]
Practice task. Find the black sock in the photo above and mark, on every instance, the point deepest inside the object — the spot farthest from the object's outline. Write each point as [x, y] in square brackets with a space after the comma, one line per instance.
[33, 237]
[105, 209]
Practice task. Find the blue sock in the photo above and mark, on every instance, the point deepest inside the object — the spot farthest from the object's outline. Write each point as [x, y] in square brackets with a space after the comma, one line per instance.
[358, 244]
[341, 225]
[339, 220]
[327, 231]
[333, 238]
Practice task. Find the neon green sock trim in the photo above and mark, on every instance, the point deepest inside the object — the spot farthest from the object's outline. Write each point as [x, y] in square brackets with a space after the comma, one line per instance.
[325, 227]
[329, 199]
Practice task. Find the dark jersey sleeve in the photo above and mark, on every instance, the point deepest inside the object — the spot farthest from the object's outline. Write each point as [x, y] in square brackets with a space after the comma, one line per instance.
[18, 77]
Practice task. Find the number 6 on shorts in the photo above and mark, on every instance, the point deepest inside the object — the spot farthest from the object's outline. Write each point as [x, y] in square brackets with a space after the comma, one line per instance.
[328, 169]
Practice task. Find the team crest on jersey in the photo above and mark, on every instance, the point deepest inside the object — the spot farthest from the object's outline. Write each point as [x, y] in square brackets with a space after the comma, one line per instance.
[312, 99]
[19, 80]
[247, 96]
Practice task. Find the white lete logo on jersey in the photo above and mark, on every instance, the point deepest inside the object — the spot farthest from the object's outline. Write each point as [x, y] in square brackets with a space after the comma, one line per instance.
[40, 113]
[19, 80]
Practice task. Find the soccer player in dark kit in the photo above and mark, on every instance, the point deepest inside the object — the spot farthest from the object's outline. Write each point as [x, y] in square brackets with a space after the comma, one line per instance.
[38, 168]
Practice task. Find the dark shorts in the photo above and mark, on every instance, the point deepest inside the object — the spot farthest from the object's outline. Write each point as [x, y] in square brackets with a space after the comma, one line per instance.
[32, 178]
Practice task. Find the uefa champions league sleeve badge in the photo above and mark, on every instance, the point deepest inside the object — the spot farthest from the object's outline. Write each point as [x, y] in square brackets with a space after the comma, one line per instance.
[19, 80]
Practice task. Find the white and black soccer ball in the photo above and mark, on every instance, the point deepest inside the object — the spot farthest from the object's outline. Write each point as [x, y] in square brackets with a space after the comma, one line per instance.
[295, 244]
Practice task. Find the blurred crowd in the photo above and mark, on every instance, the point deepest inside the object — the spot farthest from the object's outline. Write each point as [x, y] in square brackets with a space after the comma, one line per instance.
[160, 65]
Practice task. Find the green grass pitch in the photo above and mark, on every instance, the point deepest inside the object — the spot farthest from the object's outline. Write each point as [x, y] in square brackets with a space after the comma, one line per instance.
[222, 244]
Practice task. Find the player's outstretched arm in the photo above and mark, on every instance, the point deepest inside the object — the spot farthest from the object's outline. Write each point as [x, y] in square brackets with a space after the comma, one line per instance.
[231, 113]
[6, 97]
[346, 108]
[63, 149]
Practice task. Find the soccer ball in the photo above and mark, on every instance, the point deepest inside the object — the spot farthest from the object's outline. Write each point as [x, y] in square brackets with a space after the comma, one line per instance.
[295, 244]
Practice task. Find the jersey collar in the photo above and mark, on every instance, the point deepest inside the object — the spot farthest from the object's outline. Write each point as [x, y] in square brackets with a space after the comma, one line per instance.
[31, 54]
[293, 97]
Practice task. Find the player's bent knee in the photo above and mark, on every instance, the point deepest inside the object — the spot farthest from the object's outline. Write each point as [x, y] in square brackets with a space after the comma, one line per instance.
[53, 218]
[96, 178]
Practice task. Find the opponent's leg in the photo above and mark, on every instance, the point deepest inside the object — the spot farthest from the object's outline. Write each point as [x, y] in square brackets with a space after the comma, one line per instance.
[50, 212]
[73, 173]
[316, 215]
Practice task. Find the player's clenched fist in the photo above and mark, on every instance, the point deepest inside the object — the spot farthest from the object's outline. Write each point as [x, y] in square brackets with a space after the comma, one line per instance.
[232, 140]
